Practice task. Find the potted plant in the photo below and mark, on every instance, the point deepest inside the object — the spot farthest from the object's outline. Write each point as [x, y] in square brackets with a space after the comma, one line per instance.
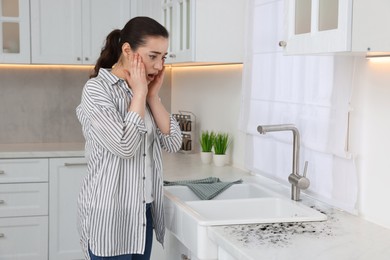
[220, 144]
[206, 143]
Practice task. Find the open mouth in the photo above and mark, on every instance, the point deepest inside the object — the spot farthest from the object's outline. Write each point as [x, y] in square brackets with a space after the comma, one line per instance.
[151, 77]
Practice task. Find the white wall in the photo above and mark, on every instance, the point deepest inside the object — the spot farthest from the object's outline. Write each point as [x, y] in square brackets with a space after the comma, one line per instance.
[213, 94]
[370, 138]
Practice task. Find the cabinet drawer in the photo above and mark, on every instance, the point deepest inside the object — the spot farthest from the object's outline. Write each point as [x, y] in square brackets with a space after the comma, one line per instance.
[24, 170]
[24, 238]
[24, 199]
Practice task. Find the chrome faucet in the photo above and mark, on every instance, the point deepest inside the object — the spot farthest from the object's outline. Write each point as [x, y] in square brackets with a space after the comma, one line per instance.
[297, 181]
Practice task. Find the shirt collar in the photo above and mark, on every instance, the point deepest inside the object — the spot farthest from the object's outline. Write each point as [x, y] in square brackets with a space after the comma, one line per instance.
[108, 76]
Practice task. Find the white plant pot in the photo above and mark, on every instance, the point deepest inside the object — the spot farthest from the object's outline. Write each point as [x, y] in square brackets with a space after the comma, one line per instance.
[220, 159]
[206, 157]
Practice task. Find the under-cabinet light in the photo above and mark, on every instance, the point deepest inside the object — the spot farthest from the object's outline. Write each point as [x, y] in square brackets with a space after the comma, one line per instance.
[48, 66]
[378, 58]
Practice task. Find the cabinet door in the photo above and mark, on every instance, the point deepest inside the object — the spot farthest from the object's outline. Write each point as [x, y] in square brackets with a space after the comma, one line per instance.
[322, 26]
[201, 32]
[66, 176]
[150, 8]
[14, 31]
[23, 238]
[23, 199]
[179, 19]
[99, 18]
[23, 170]
[56, 31]
[174, 249]
[223, 255]
[73, 31]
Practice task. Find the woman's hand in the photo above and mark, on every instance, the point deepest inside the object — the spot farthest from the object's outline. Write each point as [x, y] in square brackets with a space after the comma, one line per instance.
[136, 76]
[155, 86]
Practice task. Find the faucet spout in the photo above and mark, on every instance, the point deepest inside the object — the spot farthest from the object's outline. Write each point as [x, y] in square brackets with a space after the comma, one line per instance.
[297, 181]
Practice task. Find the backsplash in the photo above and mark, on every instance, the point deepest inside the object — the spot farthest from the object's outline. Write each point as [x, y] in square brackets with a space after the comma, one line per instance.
[37, 103]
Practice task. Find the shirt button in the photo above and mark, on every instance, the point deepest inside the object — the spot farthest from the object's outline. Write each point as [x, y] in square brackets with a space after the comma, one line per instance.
[143, 225]
[143, 178]
[144, 154]
[143, 201]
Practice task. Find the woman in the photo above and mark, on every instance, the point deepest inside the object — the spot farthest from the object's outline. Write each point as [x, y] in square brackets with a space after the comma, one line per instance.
[125, 125]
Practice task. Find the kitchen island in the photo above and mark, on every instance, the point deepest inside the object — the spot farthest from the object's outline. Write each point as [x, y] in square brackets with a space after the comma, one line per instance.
[343, 236]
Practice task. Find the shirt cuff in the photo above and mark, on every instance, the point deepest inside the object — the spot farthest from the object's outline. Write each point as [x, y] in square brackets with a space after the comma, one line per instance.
[134, 118]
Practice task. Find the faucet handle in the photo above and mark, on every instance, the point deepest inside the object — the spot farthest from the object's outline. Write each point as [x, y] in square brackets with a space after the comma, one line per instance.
[303, 182]
[300, 181]
[305, 169]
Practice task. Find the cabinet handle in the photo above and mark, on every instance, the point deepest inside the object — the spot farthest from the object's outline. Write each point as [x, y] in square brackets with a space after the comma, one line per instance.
[78, 59]
[172, 55]
[2, 235]
[282, 44]
[86, 58]
[2, 201]
[185, 257]
[74, 164]
[2, 172]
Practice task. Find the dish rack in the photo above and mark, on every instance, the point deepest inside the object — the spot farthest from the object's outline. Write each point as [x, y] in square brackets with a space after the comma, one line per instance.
[187, 123]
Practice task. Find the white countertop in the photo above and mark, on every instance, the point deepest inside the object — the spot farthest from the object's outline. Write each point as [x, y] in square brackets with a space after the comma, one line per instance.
[343, 236]
[41, 150]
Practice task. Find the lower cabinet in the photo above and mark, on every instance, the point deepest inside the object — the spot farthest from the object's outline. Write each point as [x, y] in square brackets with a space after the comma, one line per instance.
[65, 178]
[23, 209]
[23, 238]
[174, 249]
[223, 255]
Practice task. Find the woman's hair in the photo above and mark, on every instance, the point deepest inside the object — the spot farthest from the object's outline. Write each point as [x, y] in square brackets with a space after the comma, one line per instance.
[135, 32]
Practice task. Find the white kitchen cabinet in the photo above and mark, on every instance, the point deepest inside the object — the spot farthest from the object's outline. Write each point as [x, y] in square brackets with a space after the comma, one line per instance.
[334, 26]
[23, 170]
[14, 31]
[23, 199]
[204, 31]
[24, 209]
[174, 249]
[223, 255]
[66, 175]
[150, 8]
[23, 238]
[74, 31]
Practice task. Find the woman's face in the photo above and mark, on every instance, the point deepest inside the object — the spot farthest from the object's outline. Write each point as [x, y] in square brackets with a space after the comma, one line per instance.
[153, 55]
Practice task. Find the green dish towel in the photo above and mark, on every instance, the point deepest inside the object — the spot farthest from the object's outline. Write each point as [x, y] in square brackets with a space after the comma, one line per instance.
[205, 189]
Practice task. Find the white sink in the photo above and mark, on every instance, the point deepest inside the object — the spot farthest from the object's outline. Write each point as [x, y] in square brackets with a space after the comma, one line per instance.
[236, 191]
[249, 211]
[188, 217]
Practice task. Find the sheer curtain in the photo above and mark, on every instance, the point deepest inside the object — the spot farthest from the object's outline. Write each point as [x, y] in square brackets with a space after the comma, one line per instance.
[312, 92]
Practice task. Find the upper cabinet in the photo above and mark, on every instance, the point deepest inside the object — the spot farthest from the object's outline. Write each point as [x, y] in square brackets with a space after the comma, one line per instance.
[73, 31]
[333, 26]
[205, 31]
[150, 8]
[14, 31]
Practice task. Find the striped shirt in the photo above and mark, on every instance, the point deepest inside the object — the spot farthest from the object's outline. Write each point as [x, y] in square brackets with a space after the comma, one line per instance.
[111, 203]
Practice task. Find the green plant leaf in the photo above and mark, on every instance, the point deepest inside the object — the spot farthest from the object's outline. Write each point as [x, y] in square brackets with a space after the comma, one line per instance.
[221, 143]
[206, 140]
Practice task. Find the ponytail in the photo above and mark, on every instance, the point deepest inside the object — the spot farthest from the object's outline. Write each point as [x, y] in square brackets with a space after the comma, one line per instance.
[110, 52]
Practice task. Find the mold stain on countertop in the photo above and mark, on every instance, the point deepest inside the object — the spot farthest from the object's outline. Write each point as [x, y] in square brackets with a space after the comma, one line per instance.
[281, 234]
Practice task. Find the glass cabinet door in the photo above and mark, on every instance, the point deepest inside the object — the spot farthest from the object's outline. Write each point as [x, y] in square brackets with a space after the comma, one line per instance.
[177, 15]
[14, 31]
[317, 26]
